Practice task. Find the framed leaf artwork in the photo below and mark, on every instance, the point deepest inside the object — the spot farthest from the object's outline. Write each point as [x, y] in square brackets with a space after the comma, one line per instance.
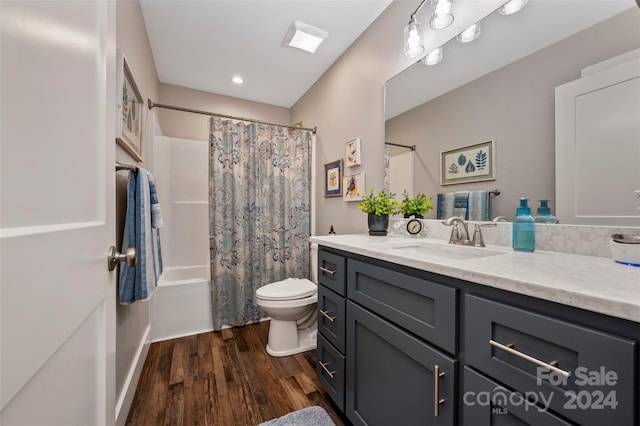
[473, 163]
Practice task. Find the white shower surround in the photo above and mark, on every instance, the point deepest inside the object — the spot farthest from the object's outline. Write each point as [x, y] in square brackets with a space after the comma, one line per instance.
[181, 305]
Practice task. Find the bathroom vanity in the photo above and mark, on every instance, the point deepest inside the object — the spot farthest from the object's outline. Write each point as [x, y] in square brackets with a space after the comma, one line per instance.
[417, 331]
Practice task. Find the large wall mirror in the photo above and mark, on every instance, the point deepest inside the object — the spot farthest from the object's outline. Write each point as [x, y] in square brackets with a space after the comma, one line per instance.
[502, 87]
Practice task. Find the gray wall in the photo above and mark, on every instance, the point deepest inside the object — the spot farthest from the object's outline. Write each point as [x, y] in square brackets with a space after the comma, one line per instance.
[131, 37]
[194, 126]
[515, 106]
[348, 102]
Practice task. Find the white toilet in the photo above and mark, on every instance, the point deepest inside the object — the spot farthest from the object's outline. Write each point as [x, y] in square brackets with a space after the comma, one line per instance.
[292, 306]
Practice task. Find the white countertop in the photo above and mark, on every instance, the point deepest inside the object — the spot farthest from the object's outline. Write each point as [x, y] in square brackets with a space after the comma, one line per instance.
[592, 283]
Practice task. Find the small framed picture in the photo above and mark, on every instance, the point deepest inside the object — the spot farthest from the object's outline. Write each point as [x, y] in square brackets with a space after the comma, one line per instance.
[333, 179]
[353, 152]
[471, 163]
[129, 109]
[354, 187]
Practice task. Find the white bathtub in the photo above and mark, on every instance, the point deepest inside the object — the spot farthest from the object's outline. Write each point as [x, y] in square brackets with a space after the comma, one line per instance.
[181, 305]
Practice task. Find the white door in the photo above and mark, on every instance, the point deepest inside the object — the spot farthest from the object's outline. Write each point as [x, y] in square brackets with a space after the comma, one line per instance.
[598, 146]
[57, 154]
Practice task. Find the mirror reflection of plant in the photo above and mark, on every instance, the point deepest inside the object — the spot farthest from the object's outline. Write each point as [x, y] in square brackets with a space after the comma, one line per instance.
[416, 206]
[379, 204]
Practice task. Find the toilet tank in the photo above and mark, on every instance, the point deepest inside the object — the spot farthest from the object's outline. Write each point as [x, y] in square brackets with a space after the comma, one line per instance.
[314, 262]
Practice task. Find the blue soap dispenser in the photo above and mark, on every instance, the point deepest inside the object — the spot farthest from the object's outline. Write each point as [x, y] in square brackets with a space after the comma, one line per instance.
[524, 231]
[544, 212]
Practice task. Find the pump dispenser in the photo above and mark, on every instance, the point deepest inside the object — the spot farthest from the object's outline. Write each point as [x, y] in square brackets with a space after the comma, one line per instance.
[524, 231]
[544, 213]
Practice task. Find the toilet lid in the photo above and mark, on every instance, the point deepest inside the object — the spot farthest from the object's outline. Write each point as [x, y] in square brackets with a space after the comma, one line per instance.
[289, 289]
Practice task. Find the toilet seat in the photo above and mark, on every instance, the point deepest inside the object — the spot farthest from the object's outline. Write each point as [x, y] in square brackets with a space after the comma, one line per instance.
[289, 289]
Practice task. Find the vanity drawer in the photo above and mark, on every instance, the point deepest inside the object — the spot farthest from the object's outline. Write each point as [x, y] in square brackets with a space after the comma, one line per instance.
[509, 343]
[427, 309]
[330, 370]
[331, 317]
[485, 402]
[331, 271]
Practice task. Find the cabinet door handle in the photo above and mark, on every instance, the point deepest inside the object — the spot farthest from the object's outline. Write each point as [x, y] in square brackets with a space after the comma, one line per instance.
[536, 361]
[436, 390]
[327, 316]
[324, 367]
[327, 271]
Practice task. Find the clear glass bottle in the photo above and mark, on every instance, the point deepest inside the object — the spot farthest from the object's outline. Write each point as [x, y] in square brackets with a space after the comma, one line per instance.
[543, 214]
[524, 230]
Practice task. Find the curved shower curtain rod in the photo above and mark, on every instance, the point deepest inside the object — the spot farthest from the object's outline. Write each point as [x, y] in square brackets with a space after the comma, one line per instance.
[152, 105]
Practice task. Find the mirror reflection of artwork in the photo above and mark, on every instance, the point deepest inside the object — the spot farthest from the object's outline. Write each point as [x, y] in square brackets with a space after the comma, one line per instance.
[469, 164]
[354, 187]
[353, 152]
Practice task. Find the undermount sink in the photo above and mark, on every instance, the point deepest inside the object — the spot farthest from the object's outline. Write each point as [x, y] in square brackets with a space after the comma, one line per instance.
[447, 251]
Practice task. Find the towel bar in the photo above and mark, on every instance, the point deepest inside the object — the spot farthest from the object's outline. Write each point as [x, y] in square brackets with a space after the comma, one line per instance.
[122, 166]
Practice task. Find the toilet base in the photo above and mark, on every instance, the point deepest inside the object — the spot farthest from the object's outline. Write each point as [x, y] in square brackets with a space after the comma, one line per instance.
[285, 338]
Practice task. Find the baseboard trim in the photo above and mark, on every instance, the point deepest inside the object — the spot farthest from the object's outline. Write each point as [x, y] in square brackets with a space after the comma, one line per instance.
[126, 397]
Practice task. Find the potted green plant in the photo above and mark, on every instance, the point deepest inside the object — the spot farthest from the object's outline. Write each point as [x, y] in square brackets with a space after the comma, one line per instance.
[378, 208]
[417, 206]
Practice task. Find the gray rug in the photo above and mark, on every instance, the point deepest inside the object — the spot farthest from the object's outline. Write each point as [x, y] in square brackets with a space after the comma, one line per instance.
[310, 416]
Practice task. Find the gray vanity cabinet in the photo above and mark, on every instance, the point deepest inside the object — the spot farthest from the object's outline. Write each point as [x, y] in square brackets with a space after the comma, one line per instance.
[487, 402]
[423, 307]
[331, 324]
[388, 326]
[585, 375]
[394, 378]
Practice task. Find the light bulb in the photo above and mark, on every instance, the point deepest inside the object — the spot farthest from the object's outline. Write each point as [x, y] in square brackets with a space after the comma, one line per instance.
[434, 57]
[470, 34]
[512, 7]
[442, 15]
[413, 43]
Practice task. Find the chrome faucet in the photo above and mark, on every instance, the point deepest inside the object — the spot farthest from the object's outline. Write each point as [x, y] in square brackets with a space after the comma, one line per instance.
[459, 232]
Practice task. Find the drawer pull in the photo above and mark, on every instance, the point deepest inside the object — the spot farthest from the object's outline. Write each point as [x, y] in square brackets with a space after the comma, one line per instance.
[324, 367]
[551, 366]
[327, 271]
[327, 316]
[436, 390]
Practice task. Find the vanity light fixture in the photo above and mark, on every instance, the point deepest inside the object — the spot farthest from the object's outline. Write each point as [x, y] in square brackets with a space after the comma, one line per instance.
[304, 36]
[512, 7]
[434, 57]
[470, 34]
[442, 15]
[413, 42]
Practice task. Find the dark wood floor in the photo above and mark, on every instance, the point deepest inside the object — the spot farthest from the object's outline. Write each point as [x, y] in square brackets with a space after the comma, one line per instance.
[225, 378]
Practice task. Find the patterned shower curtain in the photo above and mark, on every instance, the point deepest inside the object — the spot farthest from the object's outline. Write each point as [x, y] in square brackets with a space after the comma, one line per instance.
[259, 197]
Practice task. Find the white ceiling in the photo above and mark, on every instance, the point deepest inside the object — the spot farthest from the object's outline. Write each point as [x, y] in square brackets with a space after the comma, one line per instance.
[503, 40]
[202, 44]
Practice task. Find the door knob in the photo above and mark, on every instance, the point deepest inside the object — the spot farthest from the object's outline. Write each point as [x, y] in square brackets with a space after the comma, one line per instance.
[113, 257]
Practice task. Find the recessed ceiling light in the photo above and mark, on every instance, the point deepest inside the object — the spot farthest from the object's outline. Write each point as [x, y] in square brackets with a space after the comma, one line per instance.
[304, 36]
[237, 80]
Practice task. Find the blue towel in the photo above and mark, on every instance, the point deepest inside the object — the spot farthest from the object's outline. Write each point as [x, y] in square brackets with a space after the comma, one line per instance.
[468, 205]
[479, 205]
[453, 204]
[138, 282]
